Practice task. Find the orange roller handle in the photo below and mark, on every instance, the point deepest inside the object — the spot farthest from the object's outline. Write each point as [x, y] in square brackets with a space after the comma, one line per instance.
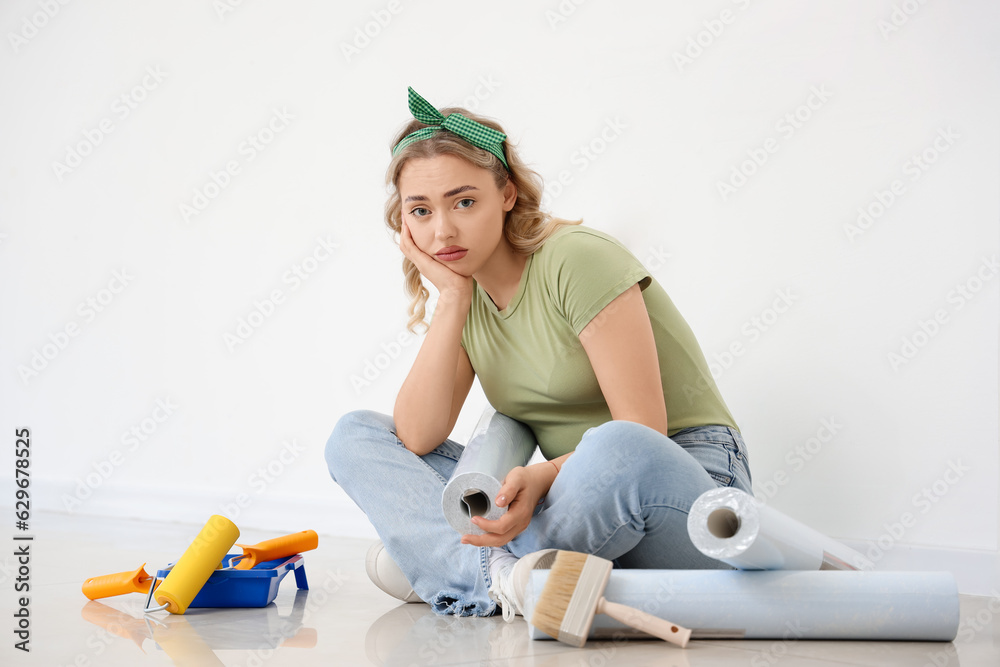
[279, 547]
[119, 583]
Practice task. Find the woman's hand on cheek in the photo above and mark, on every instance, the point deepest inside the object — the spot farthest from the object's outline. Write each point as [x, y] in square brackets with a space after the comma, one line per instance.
[442, 277]
[520, 494]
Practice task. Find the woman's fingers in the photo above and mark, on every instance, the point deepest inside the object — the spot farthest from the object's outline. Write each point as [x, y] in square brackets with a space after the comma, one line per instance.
[409, 248]
[498, 533]
[510, 525]
[513, 484]
[486, 540]
[509, 521]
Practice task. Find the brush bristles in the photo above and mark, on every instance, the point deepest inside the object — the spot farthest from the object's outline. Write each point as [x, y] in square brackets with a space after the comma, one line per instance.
[557, 613]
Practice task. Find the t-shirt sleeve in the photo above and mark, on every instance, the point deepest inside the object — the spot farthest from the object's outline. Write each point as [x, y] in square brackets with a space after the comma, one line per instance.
[588, 272]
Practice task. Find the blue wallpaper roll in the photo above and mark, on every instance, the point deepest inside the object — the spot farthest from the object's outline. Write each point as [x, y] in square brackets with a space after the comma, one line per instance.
[732, 526]
[785, 604]
[498, 444]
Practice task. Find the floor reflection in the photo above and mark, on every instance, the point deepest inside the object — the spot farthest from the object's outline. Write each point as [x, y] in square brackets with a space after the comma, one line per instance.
[194, 637]
[412, 634]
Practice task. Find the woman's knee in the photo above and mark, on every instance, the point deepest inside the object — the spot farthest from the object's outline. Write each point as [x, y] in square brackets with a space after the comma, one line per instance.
[621, 443]
[353, 435]
[632, 457]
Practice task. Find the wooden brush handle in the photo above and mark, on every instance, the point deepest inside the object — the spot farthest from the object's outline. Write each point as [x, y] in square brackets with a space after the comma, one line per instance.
[648, 623]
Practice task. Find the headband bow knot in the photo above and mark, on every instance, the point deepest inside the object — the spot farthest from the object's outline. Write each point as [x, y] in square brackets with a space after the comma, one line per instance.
[475, 133]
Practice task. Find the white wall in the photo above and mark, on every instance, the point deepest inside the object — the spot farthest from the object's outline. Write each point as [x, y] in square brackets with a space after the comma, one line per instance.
[887, 81]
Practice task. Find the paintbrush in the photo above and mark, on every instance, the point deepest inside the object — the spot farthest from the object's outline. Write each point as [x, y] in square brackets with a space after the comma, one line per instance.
[574, 593]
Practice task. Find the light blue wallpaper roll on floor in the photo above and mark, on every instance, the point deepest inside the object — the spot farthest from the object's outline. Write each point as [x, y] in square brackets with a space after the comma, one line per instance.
[852, 605]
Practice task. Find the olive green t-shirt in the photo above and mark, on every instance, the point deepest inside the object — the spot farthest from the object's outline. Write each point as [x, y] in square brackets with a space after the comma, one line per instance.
[529, 358]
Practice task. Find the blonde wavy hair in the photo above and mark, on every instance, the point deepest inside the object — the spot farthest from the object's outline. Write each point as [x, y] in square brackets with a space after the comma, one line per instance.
[526, 227]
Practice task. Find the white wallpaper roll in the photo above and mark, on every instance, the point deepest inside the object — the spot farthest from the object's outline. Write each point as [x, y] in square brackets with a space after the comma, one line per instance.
[734, 527]
[791, 605]
[498, 444]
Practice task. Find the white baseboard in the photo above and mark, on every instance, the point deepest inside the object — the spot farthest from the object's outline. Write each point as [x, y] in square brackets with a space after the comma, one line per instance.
[334, 515]
[977, 572]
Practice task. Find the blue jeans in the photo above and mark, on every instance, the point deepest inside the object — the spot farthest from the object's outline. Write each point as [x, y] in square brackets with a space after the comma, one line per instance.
[624, 495]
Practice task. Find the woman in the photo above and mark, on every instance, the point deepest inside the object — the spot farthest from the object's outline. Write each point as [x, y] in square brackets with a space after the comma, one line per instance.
[569, 334]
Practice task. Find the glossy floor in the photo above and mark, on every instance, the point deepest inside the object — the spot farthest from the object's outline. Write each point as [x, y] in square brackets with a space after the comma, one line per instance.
[344, 620]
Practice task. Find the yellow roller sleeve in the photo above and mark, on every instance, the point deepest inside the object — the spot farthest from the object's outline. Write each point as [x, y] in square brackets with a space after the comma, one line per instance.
[197, 564]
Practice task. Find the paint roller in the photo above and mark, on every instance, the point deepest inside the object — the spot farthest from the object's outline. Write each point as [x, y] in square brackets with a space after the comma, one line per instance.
[190, 573]
[138, 581]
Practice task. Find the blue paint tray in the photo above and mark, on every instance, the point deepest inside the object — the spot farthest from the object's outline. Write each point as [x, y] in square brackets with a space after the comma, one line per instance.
[256, 587]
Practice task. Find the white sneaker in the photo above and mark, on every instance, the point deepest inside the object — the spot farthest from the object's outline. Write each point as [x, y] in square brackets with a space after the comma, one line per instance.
[511, 580]
[385, 574]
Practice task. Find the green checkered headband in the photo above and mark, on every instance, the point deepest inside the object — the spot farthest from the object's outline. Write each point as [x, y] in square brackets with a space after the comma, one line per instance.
[475, 133]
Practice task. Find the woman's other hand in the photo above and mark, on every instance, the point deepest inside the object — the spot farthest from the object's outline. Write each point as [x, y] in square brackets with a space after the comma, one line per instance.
[522, 489]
